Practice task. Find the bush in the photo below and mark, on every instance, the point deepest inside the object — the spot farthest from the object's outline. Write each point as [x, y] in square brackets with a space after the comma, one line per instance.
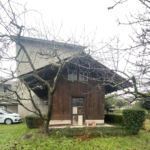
[133, 119]
[114, 119]
[33, 121]
[93, 131]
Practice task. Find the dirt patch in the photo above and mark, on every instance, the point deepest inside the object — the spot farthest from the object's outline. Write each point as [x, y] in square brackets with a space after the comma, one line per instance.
[83, 137]
[143, 129]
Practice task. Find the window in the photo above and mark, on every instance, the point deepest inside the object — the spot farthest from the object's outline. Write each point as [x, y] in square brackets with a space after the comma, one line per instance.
[5, 90]
[77, 102]
[72, 75]
[83, 76]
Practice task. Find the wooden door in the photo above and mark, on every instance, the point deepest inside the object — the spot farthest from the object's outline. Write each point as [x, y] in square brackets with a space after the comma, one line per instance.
[77, 111]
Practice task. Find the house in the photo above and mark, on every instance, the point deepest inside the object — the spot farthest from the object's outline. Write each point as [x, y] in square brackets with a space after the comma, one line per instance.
[5, 103]
[79, 97]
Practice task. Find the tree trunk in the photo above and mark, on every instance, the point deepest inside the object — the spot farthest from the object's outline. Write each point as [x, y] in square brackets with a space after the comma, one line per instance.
[50, 104]
[46, 126]
[51, 92]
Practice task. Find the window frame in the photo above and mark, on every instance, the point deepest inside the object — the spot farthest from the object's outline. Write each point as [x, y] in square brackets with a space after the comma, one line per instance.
[74, 100]
[83, 76]
[76, 75]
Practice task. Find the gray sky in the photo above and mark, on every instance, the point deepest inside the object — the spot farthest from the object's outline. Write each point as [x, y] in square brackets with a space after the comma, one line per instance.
[77, 18]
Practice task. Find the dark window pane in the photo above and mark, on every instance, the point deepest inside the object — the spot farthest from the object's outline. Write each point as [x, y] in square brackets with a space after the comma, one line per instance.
[74, 99]
[74, 104]
[77, 101]
[85, 78]
[5, 90]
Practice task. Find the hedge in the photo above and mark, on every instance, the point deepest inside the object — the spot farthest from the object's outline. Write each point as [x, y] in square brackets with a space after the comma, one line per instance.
[114, 119]
[133, 119]
[33, 121]
[93, 131]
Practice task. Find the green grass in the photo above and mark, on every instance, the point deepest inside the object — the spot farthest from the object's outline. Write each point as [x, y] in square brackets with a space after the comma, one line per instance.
[147, 116]
[10, 136]
[117, 111]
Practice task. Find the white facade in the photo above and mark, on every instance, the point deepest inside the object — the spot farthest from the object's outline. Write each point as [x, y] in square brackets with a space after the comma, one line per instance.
[42, 53]
[5, 103]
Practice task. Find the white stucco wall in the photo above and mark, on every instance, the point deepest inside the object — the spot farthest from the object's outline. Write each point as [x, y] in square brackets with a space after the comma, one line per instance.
[35, 49]
[24, 94]
[39, 103]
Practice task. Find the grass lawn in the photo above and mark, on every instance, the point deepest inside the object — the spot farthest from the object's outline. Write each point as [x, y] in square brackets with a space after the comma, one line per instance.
[10, 136]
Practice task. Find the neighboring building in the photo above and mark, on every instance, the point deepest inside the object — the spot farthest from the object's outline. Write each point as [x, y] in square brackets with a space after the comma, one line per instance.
[5, 103]
[79, 97]
[111, 109]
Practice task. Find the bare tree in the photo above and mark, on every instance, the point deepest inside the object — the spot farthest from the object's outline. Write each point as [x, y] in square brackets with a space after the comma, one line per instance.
[12, 24]
[137, 53]
[31, 78]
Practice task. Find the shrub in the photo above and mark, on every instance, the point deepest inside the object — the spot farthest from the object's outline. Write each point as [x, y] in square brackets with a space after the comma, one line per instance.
[114, 119]
[133, 119]
[33, 121]
[93, 131]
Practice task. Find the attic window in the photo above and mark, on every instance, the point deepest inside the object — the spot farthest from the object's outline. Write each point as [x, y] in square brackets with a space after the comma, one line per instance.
[83, 76]
[72, 75]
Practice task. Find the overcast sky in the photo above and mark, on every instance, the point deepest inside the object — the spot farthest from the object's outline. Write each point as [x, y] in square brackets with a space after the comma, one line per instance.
[86, 16]
[75, 16]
